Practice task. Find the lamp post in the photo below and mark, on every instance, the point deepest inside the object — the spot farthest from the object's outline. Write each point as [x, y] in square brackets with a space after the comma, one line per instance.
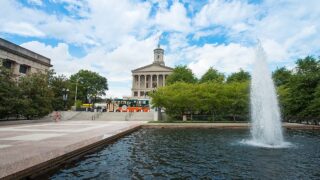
[65, 92]
[75, 97]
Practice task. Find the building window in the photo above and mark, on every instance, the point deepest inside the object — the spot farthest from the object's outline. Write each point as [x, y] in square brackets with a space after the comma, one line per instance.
[23, 69]
[7, 64]
[135, 94]
[141, 93]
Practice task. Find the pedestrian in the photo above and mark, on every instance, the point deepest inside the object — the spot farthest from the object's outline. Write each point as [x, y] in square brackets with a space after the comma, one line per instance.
[57, 116]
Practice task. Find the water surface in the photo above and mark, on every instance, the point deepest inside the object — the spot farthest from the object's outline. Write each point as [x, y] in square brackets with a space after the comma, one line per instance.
[198, 154]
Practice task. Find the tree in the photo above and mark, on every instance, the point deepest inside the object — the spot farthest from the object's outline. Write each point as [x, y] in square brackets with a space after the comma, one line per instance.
[302, 88]
[212, 75]
[237, 95]
[36, 95]
[240, 76]
[89, 84]
[57, 83]
[9, 94]
[211, 98]
[181, 74]
[281, 76]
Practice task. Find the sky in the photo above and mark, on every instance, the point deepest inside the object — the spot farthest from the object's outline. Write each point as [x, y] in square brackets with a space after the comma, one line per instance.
[113, 37]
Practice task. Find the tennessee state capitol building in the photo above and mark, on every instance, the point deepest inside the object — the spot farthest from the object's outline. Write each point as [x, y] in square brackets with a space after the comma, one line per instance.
[149, 77]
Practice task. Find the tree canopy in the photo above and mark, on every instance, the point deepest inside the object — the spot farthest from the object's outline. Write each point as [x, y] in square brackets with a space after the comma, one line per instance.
[281, 76]
[181, 74]
[216, 100]
[212, 75]
[90, 84]
[37, 94]
[240, 76]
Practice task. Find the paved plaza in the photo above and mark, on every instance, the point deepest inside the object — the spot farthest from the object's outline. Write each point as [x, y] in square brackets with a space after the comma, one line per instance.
[24, 146]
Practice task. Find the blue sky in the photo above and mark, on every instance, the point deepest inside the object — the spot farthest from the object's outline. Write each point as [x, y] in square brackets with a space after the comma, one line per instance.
[113, 37]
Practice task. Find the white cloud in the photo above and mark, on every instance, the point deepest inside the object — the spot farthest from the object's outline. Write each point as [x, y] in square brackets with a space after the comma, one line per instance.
[225, 58]
[173, 19]
[22, 28]
[227, 13]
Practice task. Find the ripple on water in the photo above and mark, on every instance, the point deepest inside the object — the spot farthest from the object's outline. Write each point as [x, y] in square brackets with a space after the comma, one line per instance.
[199, 154]
[264, 145]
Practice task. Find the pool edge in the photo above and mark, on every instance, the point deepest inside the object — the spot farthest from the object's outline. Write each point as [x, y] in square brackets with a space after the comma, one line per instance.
[41, 169]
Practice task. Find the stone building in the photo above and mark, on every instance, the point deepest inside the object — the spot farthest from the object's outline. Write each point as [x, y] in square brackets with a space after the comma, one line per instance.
[21, 60]
[148, 78]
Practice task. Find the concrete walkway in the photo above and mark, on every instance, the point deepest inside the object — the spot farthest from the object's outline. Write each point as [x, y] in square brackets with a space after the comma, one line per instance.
[26, 146]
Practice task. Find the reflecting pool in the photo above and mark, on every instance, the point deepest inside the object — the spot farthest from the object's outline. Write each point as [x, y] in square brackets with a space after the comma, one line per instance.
[198, 154]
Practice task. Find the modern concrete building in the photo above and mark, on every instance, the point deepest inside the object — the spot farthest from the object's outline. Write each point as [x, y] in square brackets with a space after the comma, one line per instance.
[148, 78]
[21, 60]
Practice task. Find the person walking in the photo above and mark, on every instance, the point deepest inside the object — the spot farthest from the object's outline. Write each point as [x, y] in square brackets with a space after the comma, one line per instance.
[57, 116]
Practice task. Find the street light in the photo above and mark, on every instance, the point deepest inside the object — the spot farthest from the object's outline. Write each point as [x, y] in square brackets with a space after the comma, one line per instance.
[65, 92]
[75, 97]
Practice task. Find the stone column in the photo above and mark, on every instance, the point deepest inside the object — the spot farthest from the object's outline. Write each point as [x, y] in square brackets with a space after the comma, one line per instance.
[158, 80]
[16, 68]
[145, 81]
[139, 81]
[133, 83]
[164, 79]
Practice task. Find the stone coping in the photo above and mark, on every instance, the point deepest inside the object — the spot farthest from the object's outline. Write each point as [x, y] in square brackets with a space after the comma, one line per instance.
[27, 151]
[223, 125]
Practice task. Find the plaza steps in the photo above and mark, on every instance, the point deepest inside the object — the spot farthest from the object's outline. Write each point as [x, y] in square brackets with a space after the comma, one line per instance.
[82, 115]
[126, 116]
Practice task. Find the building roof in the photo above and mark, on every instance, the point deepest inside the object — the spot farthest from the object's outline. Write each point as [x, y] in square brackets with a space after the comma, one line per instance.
[154, 67]
[23, 52]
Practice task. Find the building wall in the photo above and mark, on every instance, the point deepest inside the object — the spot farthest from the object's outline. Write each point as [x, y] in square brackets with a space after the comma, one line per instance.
[19, 56]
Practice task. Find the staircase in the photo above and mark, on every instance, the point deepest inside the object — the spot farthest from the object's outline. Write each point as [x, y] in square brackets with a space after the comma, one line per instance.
[126, 116]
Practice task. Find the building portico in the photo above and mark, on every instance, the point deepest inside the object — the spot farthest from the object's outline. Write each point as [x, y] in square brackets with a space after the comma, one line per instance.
[150, 77]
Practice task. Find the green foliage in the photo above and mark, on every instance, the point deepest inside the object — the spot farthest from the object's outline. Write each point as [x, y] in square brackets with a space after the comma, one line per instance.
[212, 75]
[56, 84]
[281, 76]
[36, 95]
[303, 88]
[181, 74]
[215, 99]
[241, 76]
[90, 84]
[9, 93]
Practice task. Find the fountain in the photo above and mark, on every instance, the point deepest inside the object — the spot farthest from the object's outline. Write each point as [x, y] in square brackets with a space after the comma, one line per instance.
[266, 129]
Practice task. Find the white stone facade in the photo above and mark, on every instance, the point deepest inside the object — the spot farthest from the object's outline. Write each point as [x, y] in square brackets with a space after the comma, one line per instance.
[22, 61]
[150, 77]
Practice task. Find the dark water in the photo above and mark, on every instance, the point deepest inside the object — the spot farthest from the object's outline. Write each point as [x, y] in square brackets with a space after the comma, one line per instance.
[198, 154]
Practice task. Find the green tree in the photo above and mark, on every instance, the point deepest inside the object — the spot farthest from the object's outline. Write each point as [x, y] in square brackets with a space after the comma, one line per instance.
[302, 88]
[281, 76]
[240, 76]
[36, 94]
[212, 75]
[89, 84]
[9, 94]
[314, 107]
[237, 99]
[181, 74]
[215, 99]
[57, 83]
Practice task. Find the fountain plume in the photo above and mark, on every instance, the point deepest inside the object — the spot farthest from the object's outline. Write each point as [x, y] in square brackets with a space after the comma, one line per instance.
[266, 129]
